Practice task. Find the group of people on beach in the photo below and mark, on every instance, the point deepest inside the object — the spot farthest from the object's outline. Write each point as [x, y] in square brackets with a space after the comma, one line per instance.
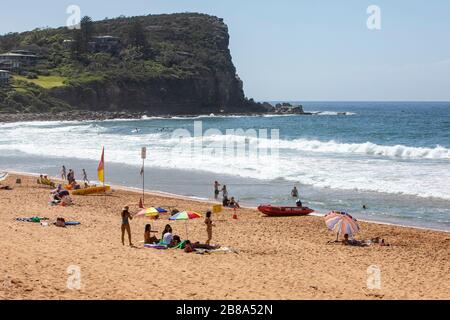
[226, 202]
[70, 177]
[167, 237]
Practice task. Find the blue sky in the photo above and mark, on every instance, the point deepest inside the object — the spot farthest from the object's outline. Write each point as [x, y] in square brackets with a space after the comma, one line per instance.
[302, 50]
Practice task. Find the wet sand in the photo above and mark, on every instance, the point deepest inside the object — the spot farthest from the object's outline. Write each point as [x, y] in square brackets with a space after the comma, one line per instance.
[278, 258]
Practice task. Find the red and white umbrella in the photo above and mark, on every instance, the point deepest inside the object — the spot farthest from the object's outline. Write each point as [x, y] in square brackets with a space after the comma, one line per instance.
[341, 223]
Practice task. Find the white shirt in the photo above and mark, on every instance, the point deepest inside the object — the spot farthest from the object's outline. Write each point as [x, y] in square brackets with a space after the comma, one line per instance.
[167, 239]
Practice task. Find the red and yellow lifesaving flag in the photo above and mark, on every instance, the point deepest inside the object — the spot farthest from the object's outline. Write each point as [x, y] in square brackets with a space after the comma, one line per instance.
[101, 167]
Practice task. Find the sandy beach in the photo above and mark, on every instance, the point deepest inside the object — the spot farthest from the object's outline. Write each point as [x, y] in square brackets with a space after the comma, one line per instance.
[278, 258]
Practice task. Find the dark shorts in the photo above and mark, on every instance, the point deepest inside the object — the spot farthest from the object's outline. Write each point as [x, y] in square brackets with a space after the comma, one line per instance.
[216, 192]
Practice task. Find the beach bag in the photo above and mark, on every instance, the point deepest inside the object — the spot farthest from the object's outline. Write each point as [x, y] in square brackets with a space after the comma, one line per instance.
[60, 222]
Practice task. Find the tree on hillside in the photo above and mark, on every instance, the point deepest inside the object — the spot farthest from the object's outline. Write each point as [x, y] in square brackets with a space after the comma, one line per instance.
[137, 39]
[83, 36]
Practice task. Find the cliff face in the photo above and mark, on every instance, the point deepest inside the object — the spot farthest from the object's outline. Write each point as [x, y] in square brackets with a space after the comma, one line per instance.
[186, 69]
[218, 92]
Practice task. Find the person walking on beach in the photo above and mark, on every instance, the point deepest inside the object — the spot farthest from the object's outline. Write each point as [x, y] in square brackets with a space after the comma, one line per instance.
[209, 225]
[85, 178]
[126, 217]
[63, 173]
[216, 189]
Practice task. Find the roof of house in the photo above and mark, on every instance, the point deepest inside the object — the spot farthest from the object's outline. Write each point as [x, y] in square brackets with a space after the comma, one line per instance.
[10, 54]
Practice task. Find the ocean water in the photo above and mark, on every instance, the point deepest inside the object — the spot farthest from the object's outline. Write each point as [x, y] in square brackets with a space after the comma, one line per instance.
[393, 157]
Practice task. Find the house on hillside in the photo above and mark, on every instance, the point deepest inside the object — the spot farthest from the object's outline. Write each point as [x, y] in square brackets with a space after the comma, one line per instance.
[10, 65]
[17, 58]
[104, 44]
[4, 77]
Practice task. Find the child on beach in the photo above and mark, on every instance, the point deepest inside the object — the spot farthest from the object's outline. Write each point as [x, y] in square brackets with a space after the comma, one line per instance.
[209, 225]
[126, 217]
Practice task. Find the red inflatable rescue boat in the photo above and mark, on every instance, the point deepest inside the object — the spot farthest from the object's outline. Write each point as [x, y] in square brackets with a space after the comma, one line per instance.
[272, 211]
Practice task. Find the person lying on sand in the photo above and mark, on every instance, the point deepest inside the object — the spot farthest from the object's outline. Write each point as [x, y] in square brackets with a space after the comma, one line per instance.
[352, 242]
[5, 188]
[188, 247]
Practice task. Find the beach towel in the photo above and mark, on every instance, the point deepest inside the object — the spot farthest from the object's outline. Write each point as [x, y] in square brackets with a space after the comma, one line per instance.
[156, 246]
[32, 219]
[181, 246]
[72, 223]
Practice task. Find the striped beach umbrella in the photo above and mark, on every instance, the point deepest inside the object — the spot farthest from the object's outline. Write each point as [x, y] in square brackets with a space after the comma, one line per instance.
[341, 223]
[185, 215]
[147, 213]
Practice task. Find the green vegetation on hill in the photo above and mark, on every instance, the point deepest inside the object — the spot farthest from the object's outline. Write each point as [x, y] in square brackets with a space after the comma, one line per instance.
[155, 55]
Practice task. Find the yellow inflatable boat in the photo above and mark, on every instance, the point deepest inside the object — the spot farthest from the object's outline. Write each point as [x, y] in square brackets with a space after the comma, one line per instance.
[92, 190]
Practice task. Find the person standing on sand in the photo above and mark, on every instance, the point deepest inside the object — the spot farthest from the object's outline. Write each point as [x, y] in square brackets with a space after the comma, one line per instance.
[71, 176]
[126, 217]
[216, 189]
[225, 192]
[63, 173]
[209, 225]
[85, 178]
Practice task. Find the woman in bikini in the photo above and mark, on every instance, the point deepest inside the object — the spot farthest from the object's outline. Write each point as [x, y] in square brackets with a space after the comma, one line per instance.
[126, 217]
[209, 226]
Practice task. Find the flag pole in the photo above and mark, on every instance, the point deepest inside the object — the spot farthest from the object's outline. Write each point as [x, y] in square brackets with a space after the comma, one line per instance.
[104, 173]
[143, 181]
[143, 156]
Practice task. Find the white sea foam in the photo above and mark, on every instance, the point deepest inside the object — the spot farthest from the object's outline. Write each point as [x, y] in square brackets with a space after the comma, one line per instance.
[423, 172]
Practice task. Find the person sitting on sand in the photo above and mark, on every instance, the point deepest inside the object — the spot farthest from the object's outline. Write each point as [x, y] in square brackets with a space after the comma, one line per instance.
[75, 185]
[234, 204]
[167, 229]
[225, 202]
[126, 217]
[148, 238]
[167, 238]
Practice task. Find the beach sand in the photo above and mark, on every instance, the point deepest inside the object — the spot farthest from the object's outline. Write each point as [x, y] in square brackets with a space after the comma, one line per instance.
[278, 258]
